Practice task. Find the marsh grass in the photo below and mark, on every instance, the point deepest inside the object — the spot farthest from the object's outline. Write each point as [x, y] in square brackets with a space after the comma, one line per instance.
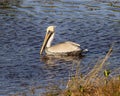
[97, 82]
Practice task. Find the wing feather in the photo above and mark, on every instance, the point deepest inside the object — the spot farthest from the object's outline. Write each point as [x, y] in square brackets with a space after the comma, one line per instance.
[64, 47]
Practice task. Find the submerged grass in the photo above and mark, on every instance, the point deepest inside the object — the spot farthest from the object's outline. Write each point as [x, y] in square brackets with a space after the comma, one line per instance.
[96, 83]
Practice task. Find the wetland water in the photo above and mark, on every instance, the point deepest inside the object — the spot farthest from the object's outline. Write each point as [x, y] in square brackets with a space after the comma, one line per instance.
[95, 24]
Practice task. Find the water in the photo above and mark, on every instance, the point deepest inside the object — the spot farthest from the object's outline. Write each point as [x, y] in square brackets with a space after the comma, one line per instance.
[95, 24]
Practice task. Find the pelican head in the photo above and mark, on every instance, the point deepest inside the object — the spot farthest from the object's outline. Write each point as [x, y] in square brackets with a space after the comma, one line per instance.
[51, 29]
[48, 38]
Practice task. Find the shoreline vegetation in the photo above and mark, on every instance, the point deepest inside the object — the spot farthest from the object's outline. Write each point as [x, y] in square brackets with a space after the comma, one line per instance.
[97, 82]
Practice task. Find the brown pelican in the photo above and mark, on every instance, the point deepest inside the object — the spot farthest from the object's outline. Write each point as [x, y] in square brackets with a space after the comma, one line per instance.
[65, 48]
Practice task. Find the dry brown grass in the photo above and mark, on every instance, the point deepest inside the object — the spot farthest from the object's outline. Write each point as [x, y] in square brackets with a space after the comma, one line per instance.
[94, 83]
[98, 88]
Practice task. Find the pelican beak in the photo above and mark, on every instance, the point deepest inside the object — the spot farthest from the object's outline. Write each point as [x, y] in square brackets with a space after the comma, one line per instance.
[47, 36]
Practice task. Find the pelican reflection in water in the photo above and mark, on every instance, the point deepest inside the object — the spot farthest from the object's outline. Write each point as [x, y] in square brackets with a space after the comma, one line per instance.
[63, 49]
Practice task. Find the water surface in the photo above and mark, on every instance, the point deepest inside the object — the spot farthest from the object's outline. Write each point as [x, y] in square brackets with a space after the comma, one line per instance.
[94, 24]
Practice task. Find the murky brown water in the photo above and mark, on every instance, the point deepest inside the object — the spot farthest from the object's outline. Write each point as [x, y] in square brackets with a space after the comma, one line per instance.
[95, 24]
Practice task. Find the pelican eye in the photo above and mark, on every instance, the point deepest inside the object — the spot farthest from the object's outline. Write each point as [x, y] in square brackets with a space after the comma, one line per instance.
[49, 32]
